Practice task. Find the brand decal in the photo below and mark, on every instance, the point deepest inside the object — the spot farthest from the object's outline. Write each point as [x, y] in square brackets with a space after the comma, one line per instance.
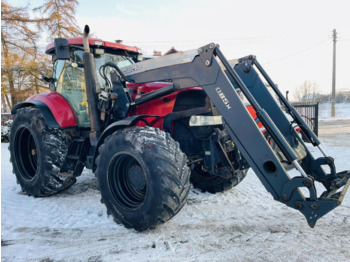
[223, 97]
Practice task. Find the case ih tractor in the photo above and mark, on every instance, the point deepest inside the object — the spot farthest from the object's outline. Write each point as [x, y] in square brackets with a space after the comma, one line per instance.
[147, 128]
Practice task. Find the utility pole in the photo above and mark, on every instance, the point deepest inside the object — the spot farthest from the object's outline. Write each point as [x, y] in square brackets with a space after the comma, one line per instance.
[333, 76]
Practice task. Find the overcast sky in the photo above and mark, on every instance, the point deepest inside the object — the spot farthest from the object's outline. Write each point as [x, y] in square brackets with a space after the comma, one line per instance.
[291, 39]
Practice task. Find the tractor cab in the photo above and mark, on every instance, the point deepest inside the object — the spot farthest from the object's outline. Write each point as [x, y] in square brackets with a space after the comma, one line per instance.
[68, 77]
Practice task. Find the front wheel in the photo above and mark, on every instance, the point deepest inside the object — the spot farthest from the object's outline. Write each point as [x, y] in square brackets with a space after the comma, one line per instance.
[142, 176]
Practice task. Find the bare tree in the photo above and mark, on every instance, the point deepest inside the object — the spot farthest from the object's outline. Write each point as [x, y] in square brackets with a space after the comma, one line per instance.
[307, 92]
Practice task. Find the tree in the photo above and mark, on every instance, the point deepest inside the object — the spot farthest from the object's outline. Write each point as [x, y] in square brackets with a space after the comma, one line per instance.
[60, 19]
[35, 69]
[18, 39]
[307, 92]
[22, 64]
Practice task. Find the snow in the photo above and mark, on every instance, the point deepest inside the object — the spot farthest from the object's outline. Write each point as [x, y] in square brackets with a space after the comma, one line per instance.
[342, 111]
[242, 224]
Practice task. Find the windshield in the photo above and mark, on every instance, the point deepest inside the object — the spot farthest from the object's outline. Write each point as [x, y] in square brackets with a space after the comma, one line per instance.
[69, 80]
[119, 60]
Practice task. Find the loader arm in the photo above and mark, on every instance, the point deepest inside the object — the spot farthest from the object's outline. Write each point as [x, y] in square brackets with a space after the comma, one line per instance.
[208, 68]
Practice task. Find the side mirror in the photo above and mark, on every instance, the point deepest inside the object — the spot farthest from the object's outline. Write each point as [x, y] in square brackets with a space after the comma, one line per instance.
[47, 79]
[51, 82]
[62, 49]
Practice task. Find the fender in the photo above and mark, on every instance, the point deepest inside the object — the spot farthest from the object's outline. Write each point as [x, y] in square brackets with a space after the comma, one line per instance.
[128, 122]
[55, 109]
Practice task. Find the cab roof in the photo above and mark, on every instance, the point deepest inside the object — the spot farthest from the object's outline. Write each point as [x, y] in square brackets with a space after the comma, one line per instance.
[94, 42]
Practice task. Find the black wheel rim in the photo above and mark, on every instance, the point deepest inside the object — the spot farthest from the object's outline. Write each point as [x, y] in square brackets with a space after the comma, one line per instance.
[127, 181]
[26, 153]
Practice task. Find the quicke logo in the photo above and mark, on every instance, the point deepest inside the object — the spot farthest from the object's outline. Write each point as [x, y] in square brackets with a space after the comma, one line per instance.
[223, 97]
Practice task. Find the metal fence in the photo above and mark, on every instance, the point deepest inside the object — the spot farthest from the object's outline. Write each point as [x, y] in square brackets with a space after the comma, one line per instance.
[309, 112]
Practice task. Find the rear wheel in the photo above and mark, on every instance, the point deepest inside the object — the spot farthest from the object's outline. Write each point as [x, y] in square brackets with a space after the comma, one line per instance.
[143, 177]
[215, 184]
[37, 153]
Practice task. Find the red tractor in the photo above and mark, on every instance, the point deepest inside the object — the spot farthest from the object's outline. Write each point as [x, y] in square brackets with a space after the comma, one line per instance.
[148, 128]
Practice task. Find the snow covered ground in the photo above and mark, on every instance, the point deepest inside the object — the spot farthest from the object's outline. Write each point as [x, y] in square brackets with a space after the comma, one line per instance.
[243, 224]
[342, 111]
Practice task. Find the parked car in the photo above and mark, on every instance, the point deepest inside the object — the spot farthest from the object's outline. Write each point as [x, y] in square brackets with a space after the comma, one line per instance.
[6, 121]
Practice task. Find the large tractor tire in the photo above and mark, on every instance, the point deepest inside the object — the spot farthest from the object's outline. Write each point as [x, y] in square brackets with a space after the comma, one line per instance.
[37, 153]
[215, 184]
[143, 177]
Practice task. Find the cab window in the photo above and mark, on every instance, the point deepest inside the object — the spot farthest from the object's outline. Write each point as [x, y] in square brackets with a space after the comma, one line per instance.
[69, 80]
[70, 83]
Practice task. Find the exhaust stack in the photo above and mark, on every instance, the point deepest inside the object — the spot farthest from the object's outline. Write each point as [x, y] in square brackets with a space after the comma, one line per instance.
[90, 82]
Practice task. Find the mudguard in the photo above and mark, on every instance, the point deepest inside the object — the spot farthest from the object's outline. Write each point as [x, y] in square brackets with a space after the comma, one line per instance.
[128, 122]
[55, 109]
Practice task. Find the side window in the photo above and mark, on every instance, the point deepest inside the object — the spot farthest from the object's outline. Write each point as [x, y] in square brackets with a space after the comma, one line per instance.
[57, 70]
[70, 83]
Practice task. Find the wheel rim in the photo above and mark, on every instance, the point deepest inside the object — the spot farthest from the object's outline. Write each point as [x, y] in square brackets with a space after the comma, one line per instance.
[127, 181]
[26, 153]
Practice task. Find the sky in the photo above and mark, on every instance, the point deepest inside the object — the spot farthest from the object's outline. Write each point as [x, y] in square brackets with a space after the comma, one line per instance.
[291, 39]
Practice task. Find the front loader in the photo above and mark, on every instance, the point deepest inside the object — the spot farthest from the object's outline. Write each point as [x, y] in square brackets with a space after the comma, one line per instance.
[147, 128]
[207, 67]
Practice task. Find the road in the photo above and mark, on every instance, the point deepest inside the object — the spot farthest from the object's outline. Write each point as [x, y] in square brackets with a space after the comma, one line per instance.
[335, 132]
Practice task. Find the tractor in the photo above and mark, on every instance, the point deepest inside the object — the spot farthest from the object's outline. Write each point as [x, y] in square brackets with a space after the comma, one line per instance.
[147, 129]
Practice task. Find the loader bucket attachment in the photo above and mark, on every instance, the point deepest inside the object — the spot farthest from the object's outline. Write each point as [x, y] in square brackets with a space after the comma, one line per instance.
[207, 67]
[294, 151]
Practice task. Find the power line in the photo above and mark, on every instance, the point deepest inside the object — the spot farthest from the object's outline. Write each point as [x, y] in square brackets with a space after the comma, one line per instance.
[298, 52]
[252, 38]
